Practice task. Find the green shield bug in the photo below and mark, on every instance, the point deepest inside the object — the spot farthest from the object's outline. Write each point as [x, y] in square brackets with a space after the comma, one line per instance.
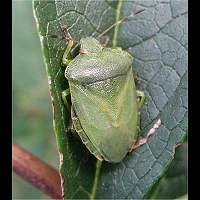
[104, 101]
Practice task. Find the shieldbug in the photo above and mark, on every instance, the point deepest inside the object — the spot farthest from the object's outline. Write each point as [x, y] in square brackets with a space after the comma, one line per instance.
[104, 101]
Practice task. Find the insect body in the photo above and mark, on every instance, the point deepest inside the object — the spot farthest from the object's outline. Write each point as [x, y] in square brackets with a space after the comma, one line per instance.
[105, 103]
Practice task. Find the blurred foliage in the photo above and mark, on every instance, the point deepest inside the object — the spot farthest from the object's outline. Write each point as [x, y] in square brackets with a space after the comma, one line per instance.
[174, 184]
[32, 117]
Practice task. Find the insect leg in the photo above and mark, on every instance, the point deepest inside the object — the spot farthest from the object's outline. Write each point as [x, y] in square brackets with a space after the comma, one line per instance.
[70, 127]
[66, 93]
[137, 79]
[140, 98]
[70, 43]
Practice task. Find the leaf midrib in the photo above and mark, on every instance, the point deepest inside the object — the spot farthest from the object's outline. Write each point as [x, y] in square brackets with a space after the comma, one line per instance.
[114, 44]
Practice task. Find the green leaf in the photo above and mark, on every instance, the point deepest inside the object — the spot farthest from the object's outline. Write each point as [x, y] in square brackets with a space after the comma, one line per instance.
[157, 38]
[174, 183]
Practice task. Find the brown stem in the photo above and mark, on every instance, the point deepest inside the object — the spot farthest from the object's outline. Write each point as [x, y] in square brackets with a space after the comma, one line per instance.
[36, 172]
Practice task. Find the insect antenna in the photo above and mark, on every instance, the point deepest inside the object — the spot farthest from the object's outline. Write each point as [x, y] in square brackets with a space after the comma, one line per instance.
[72, 45]
[67, 37]
[57, 37]
[123, 19]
